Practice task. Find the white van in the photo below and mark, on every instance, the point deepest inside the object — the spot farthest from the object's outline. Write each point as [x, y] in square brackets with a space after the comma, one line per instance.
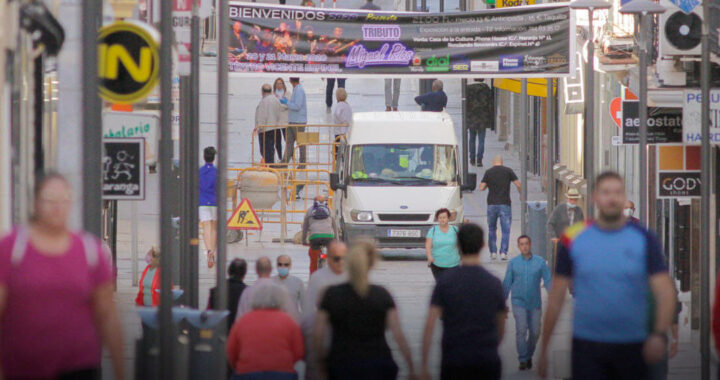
[394, 171]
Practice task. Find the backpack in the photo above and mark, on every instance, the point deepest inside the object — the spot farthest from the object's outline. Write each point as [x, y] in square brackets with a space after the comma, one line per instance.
[320, 211]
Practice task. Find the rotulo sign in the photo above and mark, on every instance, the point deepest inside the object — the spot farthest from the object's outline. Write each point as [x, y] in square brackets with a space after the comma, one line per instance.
[128, 61]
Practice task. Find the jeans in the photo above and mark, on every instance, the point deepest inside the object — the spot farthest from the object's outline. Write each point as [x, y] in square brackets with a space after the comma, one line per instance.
[330, 87]
[504, 213]
[269, 141]
[527, 331]
[659, 370]
[392, 92]
[479, 134]
[437, 271]
[608, 361]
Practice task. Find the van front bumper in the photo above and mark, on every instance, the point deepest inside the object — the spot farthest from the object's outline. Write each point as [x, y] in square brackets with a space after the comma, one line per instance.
[382, 234]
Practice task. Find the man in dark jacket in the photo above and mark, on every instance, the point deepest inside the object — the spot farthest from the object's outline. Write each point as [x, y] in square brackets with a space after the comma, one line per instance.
[236, 274]
[564, 215]
[480, 117]
[434, 101]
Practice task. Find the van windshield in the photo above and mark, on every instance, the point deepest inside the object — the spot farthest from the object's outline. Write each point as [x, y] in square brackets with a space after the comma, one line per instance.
[413, 165]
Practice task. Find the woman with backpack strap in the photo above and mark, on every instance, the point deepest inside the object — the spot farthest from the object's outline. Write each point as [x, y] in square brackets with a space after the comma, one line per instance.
[56, 295]
[441, 244]
[318, 229]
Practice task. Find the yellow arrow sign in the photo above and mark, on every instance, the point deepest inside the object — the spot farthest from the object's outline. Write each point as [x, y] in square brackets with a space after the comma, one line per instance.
[244, 218]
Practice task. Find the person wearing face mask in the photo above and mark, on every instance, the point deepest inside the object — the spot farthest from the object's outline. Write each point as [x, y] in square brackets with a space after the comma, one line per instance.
[293, 284]
[629, 211]
[565, 215]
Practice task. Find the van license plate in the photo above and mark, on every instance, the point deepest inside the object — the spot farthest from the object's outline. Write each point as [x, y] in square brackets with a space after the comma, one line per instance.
[405, 233]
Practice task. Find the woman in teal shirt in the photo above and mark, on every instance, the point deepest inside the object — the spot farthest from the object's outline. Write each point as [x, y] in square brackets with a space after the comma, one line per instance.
[441, 244]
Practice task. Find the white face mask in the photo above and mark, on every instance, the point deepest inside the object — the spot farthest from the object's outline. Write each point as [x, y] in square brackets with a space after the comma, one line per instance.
[280, 93]
[570, 205]
[628, 212]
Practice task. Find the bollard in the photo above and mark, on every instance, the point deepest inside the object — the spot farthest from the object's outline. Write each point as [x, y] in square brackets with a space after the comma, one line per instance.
[536, 227]
[147, 348]
[207, 343]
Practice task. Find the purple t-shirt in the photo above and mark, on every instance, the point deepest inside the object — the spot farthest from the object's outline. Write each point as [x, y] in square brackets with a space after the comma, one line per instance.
[48, 327]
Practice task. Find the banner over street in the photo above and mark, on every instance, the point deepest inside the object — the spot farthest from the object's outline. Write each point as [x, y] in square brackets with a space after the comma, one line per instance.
[531, 41]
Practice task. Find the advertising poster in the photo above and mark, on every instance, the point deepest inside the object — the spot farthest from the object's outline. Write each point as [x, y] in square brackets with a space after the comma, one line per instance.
[532, 41]
[664, 125]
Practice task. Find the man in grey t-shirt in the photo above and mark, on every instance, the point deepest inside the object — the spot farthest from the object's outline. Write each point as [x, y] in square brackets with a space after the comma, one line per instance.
[294, 285]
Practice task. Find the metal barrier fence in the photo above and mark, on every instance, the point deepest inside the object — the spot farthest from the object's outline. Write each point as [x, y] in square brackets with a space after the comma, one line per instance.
[313, 175]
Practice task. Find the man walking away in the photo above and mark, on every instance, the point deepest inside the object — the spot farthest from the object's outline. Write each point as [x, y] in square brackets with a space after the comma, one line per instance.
[318, 229]
[613, 265]
[207, 212]
[434, 101]
[392, 94]
[236, 285]
[293, 284]
[332, 274]
[263, 267]
[480, 117]
[564, 215]
[497, 180]
[471, 302]
[267, 115]
[522, 278]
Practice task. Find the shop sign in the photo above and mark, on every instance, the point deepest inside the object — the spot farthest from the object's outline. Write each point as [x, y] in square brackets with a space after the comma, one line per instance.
[678, 184]
[664, 125]
[133, 125]
[692, 101]
[128, 61]
[124, 169]
[520, 42]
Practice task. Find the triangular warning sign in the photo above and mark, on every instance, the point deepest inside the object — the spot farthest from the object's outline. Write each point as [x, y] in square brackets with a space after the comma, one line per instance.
[244, 218]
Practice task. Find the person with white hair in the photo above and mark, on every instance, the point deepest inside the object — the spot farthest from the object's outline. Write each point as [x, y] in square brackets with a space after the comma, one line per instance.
[434, 101]
[266, 342]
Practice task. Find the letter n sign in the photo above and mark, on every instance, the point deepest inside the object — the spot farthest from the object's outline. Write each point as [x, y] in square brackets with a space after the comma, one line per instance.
[128, 62]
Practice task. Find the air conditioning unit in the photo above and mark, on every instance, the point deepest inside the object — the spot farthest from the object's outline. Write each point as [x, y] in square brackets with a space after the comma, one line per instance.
[680, 28]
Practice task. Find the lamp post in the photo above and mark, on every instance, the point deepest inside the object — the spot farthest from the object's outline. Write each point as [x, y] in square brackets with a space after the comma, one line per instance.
[589, 132]
[642, 8]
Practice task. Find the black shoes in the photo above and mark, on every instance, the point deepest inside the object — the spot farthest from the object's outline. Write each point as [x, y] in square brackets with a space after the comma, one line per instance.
[526, 365]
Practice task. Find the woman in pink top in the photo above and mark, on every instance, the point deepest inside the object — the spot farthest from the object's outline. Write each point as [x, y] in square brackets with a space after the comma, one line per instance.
[56, 296]
[265, 343]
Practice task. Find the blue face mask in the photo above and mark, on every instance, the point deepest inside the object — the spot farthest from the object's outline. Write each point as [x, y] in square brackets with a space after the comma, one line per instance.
[284, 271]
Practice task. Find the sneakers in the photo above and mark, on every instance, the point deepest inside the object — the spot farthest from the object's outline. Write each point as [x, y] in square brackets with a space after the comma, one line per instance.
[523, 366]
[529, 364]
[503, 256]
[329, 110]
[493, 256]
[479, 164]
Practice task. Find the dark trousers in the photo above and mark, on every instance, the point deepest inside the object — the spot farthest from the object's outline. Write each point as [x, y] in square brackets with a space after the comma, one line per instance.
[437, 271]
[375, 369]
[330, 88]
[608, 361]
[481, 371]
[268, 141]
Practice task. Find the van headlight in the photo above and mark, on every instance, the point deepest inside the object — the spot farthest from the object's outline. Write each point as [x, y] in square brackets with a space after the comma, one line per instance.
[361, 216]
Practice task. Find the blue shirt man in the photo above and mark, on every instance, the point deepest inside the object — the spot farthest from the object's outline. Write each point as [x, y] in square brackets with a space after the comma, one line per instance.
[613, 265]
[522, 279]
[297, 104]
[434, 101]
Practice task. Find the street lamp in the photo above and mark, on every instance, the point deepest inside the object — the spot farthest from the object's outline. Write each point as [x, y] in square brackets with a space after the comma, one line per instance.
[642, 8]
[589, 144]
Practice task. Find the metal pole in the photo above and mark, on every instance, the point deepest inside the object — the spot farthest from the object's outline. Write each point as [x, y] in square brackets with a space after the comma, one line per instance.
[192, 175]
[463, 83]
[589, 145]
[549, 156]
[92, 120]
[222, 118]
[167, 330]
[642, 113]
[705, 193]
[134, 241]
[185, 167]
[523, 155]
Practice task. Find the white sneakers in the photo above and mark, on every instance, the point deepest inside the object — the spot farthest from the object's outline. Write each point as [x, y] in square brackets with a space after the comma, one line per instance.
[503, 256]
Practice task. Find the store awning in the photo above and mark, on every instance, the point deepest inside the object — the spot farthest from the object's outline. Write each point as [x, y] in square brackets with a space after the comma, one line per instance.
[535, 87]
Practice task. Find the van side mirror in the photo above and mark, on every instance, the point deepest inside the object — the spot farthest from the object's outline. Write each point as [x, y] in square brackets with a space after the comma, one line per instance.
[470, 182]
[335, 183]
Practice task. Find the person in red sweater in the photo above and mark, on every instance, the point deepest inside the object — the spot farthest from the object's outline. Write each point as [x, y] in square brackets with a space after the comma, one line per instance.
[149, 284]
[265, 343]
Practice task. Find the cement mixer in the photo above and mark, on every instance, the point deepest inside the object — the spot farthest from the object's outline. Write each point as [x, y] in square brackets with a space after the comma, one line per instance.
[261, 187]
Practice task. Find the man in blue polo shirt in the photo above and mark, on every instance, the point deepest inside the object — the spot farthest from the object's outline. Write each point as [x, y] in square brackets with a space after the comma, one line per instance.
[522, 278]
[207, 214]
[613, 265]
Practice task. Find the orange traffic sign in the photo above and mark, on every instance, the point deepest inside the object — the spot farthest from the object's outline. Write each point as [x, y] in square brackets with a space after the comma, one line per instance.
[244, 218]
